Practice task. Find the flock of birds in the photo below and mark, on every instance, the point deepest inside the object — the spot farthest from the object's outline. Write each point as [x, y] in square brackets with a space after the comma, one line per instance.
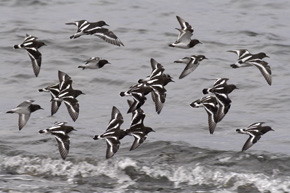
[216, 102]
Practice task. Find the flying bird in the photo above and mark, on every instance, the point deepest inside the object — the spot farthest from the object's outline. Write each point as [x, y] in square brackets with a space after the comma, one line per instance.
[246, 59]
[255, 131]
[24, 110]
[184, 40]
[94, 63]
[97, 29]
[113, 134]
[60, 131]
[31, 45]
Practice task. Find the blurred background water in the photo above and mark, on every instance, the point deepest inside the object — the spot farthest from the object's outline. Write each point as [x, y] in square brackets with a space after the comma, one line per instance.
[181, 156]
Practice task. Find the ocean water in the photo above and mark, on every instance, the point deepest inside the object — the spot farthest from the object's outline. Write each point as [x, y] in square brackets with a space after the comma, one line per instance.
[181, 156]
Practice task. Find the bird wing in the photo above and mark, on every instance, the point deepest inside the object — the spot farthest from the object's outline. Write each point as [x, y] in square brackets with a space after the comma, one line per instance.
[190, 67]
[264, 68]
[139, 138]
[63, 142]
[107, 36]
[64, 80]
[184, 36]
[54, 106]
[184, 25]
[72, 106]
[113, 145]
[250, 141]
[211, 110]
[35, 57]
[116, 119]
[220, 81]
[241, 53]
[23, 118]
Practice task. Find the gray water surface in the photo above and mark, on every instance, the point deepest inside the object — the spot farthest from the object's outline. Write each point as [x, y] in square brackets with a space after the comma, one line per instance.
[181, 156]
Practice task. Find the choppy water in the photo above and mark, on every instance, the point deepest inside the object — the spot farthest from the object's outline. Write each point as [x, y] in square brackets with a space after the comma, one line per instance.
[181, 156]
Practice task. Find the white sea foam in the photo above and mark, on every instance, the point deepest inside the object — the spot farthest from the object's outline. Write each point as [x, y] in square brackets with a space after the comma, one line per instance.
[196, 175]
[47, 166]
[201, 175]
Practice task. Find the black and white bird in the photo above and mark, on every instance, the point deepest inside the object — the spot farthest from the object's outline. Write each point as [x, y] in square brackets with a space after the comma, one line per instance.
[60, 131]
[137, 128]
[210, 105]
[255, 131]
[31, 45]
[63, 92]
[113, 134]
[157, 80]
[246, 59]
[154, 83]
[97, 29]
[24, 110]
[221, 90]
[184, 40]
[138, 92]
[192, 65]
[244, 55]
[94, 63]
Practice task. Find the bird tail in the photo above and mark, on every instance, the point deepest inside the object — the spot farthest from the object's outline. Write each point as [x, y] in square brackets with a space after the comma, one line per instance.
[76, 35]
[206, 90]
[122, 94]
[171, 45]
[17, 46]
[9, 112]
[70, 23]
[43, 90]
[43, 131]
[96, 137]
[234, 66]
[81, 67]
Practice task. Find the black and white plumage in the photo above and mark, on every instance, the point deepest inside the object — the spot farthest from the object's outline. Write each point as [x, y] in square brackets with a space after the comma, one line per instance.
[137, 115]
[184, 40]
[113, 134]
[63, 92]
[60, 131]
[139, 132]
[221, 90]
[264, 68]
[138, 92]
[255, 131]
[94, 63]
[157, 81]
[24, 110]
[97, 29]
[244, 55]
[31, 45]
[246, 59]
[210, 105]
[137, 128]
[154, 83]
[192, 65]
[84, 25]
